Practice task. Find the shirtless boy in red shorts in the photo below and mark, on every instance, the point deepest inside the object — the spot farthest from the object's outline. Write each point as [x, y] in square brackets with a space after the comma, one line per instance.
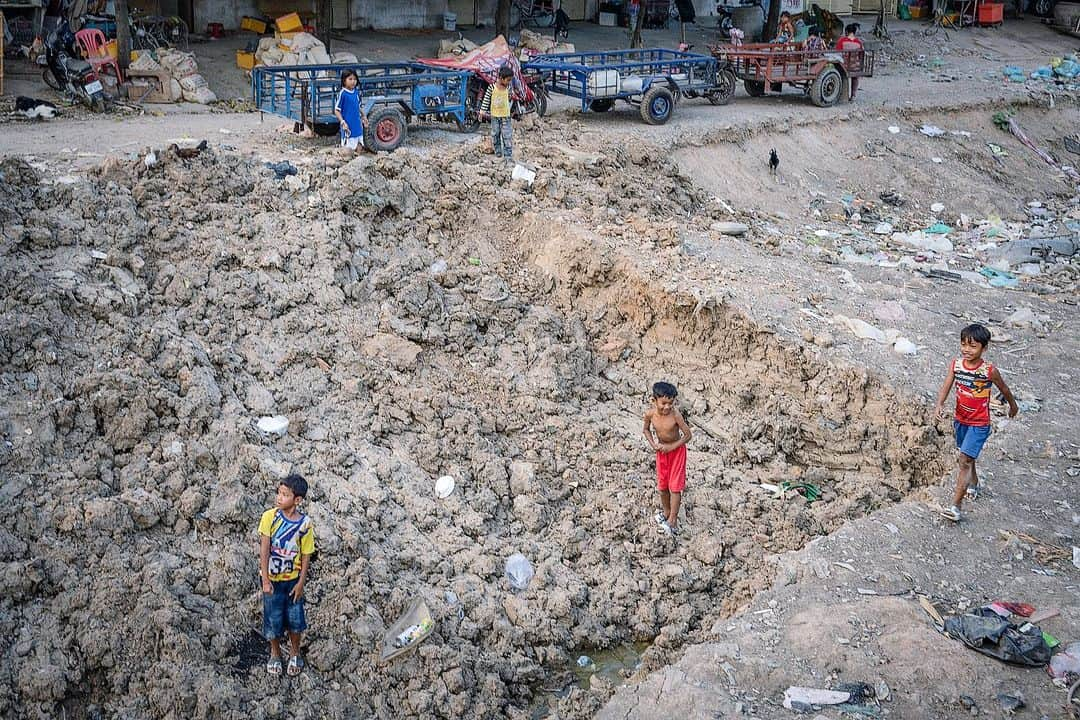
[667, 433]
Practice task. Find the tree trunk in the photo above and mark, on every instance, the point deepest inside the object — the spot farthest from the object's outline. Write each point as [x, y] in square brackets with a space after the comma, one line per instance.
[123, 35]
[502, 19]
[323, 21]
[635, 31]
[772, 22]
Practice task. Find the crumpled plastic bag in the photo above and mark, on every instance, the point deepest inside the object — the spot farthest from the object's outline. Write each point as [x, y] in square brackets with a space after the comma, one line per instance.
[519, 571]
[986, 632]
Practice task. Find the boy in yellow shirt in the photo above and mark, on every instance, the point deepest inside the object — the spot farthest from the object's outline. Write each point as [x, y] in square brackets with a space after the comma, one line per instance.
[496, 105]
[287, 543]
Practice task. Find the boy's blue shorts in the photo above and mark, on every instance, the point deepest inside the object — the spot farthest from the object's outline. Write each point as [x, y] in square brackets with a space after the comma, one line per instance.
[970, 438]
[280, 613]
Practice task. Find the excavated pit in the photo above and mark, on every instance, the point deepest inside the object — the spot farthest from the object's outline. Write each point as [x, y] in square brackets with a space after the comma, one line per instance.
[409, 327]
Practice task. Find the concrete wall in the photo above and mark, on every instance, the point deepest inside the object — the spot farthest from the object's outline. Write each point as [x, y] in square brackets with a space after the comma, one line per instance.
[396, 14]
[381, 14]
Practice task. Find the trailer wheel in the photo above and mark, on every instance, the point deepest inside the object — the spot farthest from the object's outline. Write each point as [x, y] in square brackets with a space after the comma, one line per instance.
[601, 105]
[725, 88]
[385, 130]
[541, 102]
[826, 88]
[657, 105]
[754, 88]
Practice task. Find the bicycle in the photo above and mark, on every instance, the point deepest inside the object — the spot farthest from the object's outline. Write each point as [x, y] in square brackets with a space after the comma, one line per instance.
[940, 21]
[540, 12]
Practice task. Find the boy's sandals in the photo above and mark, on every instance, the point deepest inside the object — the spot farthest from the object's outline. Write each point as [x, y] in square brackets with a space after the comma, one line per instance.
[660, 517]
[951, 514]
[273, 665]
[296, 664]
[973, 492]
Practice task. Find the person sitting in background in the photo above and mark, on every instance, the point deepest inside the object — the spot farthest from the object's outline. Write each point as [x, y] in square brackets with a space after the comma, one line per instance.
[814, 43]
[785, 32]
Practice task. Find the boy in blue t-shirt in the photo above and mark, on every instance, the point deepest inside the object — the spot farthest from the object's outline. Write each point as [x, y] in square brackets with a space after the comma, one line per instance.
[349, 112]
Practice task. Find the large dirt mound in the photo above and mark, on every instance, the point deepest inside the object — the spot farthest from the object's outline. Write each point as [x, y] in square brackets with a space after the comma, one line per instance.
[412, 317]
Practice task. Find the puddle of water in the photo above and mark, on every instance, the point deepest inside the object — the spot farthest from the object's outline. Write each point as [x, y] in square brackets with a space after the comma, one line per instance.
[613, 664]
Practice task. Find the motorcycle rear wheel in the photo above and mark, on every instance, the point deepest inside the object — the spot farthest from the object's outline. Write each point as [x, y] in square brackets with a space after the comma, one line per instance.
[50, 79]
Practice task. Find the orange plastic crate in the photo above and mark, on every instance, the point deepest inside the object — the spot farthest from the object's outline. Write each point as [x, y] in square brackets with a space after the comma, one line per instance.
[990, 13]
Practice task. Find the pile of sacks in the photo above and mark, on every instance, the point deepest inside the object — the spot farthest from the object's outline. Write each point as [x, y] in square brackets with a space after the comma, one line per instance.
[530, 45]
[300, 49]
[184, 81]
[533, 44]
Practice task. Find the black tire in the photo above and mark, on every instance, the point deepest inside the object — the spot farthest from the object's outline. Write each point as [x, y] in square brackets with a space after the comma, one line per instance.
[827, 87]
[50, 79]
[602, 105]
[1043, 8]
[541, 101]
[386, 130]
[97, 103]
[725, 88]
[754, 88]
[657, 104]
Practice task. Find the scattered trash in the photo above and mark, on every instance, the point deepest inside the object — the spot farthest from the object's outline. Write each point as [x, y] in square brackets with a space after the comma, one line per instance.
[1065, 661]
[937, 207]
[444, 487]
[804, 698]
[891, 197]
[924, 241]
[1011, 701]
[519, 571]
[939, 228]
[1076, 557]
[585, 661]
[997, 150]
[520, 172]
[1040, 615]
[931, 131]
[861, 328]
[903, 346]
[999, 278]
[883, 229]
[282, 169]
[893, 129]
[986, 632]
[1005, 609]
[274, 425]
[1044, 552]
[409, 631]
[150, 160]
[882, 691]
[936, 160]
[808, 490]
[1072, 144]
[1007, 122]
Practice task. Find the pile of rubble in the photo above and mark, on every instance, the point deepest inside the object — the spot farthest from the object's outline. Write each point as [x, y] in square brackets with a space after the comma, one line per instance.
[406, 328]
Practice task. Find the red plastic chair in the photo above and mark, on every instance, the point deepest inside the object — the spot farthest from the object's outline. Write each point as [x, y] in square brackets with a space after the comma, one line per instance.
[92, 44]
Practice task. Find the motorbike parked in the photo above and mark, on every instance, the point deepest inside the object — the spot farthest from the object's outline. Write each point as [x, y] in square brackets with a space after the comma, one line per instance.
[67, 72]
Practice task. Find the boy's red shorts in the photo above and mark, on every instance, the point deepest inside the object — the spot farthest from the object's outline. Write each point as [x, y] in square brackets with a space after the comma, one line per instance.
[671, 470]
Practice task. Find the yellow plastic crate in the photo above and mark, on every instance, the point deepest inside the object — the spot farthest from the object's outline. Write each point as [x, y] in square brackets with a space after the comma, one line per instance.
[245, 60]
[289, 23]
[252, 24]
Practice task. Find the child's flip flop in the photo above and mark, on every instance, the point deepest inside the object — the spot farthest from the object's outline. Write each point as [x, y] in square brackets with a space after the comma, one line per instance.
[296, 664]
[273, 665]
